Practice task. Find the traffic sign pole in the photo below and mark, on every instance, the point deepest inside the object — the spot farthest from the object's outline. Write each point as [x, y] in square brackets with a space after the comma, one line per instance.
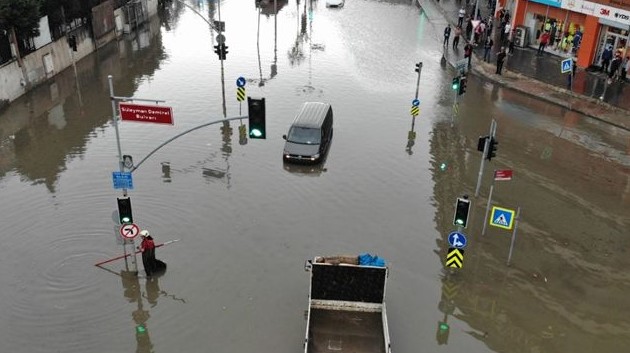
[485, 218]
[518, 216]
[486, 146]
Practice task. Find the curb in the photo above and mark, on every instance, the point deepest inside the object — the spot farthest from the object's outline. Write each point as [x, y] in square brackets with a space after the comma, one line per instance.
[479, 71]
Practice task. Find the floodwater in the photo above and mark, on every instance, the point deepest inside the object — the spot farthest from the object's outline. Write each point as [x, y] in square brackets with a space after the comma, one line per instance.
[235, 281]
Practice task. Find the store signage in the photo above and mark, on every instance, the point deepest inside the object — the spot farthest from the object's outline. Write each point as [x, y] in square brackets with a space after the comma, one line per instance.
[554, 3]
[598, 10]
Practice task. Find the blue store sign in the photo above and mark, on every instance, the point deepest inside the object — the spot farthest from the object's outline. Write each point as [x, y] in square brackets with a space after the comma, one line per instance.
[554, 3]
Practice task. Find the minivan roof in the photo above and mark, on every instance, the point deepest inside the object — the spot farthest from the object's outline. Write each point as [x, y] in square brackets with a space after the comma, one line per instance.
[312, 114]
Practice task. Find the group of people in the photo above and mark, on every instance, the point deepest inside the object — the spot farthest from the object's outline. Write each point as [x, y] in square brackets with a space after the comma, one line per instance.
[615, 65]
[482, 34]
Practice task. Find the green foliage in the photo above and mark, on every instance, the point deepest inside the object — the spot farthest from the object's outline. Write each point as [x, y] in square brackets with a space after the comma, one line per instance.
[23, 15]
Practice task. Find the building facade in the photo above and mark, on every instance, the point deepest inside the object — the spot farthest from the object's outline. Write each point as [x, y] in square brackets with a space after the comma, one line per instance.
[577, 27]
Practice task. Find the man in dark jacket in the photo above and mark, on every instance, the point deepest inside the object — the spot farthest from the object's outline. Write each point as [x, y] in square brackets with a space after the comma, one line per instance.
[447, 35]
[500, 59]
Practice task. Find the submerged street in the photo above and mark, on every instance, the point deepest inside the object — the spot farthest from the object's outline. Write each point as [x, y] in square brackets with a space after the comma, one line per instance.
[247, 222]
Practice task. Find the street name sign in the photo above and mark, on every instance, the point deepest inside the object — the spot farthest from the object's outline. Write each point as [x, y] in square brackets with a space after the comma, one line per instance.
[122, 180]
[503, 175]
[146, 113]
[502, 217]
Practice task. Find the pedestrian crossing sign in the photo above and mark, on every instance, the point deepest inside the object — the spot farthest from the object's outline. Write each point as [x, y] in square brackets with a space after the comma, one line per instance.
[502, 217]
[566, 66]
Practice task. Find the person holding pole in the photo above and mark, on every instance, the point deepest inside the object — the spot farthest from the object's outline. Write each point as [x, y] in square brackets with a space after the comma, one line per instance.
[147, 247]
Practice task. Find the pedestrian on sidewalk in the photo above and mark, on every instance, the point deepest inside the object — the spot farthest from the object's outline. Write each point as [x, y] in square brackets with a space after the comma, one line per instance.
[469, 27]
[458, 33]
[606, 57]
[505, 34]
[468, 49]
[544, 40]
[447, 34]
[625, 68]
[460, 19]
[487, 48]
[615, 64]
[500, 59]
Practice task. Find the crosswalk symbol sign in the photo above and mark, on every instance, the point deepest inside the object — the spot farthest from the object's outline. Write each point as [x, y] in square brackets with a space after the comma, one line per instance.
[502, 217]
[566, 66]
[455, 258]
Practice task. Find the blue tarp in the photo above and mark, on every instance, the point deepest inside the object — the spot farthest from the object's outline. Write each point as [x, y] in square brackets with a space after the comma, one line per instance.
[369, 260]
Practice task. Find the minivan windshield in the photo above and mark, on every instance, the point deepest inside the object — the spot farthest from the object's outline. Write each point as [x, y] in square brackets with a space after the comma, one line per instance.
[304, 135]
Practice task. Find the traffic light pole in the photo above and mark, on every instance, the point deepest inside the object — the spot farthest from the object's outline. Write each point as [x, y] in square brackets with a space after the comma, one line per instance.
[485, 218]
[137, 165]
[121, 164]
[518, 216]
[419, 69]
[486, 146]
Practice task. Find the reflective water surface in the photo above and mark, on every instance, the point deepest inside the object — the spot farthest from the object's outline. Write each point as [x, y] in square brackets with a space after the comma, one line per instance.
[247, 222]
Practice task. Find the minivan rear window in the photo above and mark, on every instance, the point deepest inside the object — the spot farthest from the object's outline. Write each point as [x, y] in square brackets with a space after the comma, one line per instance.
[304, 135]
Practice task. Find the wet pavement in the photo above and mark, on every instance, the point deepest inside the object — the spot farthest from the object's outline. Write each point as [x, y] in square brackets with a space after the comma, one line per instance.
[545, 68]
[235, 280]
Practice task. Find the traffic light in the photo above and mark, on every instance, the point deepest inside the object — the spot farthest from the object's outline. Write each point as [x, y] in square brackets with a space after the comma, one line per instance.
[72, 42]
[256, 109]
[442, 332]
[462, 208]
[462, 85]
[124, 210]
[418, 67]
[492, 148]
[456, 83]
[217, 50]
[224, 51]
[481, 143]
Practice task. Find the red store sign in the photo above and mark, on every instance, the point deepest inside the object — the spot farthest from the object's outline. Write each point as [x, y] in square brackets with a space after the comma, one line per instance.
[146, 113]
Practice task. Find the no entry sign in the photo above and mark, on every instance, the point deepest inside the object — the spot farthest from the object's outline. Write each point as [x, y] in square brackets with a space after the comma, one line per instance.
[146, 113]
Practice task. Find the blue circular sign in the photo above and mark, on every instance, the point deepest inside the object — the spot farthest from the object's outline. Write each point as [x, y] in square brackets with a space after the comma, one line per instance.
[415, 102]
[457, 240]
[240, 82]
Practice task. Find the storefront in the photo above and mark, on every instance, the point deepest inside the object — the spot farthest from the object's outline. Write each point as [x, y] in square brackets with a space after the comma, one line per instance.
[606, 26]
[577, 27]
[563, 25]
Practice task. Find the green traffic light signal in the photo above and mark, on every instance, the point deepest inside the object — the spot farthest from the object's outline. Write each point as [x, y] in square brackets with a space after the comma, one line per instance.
[124, 210]
[443, 326]
[462, 209]
[256, 112]
[456, 83]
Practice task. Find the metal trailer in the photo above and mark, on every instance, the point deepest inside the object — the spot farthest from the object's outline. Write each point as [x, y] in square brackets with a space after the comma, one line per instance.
[346, 308]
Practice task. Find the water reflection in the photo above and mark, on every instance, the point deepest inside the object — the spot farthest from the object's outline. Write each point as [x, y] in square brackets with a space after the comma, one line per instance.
[42, 131]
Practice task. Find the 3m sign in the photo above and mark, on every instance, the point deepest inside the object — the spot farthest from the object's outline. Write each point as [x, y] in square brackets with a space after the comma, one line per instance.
[146, 113]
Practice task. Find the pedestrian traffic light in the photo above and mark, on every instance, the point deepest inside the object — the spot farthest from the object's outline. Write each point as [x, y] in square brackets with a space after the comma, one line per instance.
[462, 85]
[456, 83]
[256, 110]
[124, 210]
[492, 148]
[462, 208]
[442, 332]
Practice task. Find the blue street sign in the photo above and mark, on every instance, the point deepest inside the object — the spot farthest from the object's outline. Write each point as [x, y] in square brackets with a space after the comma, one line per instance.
[502, 217]
[122, 180]
[240, 82]
[566, 66]
[415, 102]
[457, 240]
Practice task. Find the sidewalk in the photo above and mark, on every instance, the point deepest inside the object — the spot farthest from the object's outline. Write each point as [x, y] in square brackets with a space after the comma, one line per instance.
[540, 76]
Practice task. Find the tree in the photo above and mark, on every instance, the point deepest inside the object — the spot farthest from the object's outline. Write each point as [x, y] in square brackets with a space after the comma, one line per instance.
[22, 16]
